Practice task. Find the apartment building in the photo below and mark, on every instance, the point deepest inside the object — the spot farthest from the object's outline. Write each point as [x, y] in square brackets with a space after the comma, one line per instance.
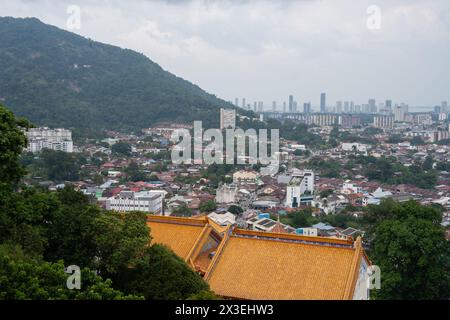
[53, 139]
[146, 201]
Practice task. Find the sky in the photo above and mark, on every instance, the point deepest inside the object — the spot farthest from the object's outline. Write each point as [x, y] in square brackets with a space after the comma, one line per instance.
[265, 50]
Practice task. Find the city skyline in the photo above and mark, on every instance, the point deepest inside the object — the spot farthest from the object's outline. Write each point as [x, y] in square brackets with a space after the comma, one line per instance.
[294, 104]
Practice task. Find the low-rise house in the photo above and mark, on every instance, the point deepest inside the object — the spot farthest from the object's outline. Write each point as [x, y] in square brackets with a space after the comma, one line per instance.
[242, 176]
[223, 219]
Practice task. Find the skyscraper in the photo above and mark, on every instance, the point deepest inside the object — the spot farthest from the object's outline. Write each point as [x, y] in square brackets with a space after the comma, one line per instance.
[399, 113]
[274, 106]
[323, 102]
[307, 108]
[339, 107]
[346, 106]
[260, 106]
[388, 104]
[372, 106]
[291, 103]
[437, 109]
[444, 106]
[236, 102]
[244, 105]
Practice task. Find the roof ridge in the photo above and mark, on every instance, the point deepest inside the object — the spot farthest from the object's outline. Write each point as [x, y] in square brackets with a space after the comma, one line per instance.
[203, 236]
[178, 220]
[293, 237]
[354, 270]
[218, 253]
[303, 242]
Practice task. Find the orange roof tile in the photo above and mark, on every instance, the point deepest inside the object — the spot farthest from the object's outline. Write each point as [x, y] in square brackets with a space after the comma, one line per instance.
[263, 265]
[251, 268]
[179, 237]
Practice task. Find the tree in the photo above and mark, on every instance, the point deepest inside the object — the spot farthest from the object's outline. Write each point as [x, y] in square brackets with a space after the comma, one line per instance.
[409, 246]
[134, 173]
[39, 230]
[299, 152]
[121, 148]
[160, 274]
[417, 140]
[208, 206]
[443, 166]
[329, 169]
[203, 295]
[395, 138]
[300, 218]
[12, 143]
[25, 217]
[234, 209]
[121, 240]
[22, 277]
[326, 193]
[97, 179]
[428, 163]
[71, 234]
[182, 211]
[60, 165]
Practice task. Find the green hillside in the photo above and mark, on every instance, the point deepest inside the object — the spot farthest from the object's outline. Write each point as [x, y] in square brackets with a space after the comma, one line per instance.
[57, 78]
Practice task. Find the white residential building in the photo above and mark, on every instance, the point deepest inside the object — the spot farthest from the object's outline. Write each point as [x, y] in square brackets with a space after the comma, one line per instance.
[45, 138]
[349, 188]
[227, 118]
[399, 113]
[227, 193]
[300, 189]
[146, 201]
[353, 146]
[383, 121]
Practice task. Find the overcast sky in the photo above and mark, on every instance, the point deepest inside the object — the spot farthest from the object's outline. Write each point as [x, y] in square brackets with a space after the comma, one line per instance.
[268, 49]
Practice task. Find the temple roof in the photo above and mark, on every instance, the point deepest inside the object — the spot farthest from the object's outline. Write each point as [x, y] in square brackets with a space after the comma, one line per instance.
[247, 264]
[180, 237]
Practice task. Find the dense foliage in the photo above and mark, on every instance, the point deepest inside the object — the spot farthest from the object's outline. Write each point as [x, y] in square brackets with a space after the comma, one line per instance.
[57, 166]
[43, 232]
[405, 240]
[12, 142]
[389, 170]
[23, 277]
[58, 78]
[299, 133]
[408, 243]
[326, 168]
[364, 137]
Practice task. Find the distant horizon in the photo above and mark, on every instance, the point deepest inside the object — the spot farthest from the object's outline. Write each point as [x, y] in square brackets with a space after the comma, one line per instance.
[316, 108]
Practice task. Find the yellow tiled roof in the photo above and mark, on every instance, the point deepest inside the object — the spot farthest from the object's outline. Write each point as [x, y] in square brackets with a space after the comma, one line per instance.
[252, 268]
[179, 237]
[263, 265]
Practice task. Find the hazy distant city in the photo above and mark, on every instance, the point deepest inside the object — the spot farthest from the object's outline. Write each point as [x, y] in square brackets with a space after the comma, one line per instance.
[291, 105]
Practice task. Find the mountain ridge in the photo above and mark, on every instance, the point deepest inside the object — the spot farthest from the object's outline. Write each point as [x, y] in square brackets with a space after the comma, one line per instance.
[58, 78]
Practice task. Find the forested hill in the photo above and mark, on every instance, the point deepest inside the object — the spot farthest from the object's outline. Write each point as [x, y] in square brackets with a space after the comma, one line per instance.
[57, 78]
